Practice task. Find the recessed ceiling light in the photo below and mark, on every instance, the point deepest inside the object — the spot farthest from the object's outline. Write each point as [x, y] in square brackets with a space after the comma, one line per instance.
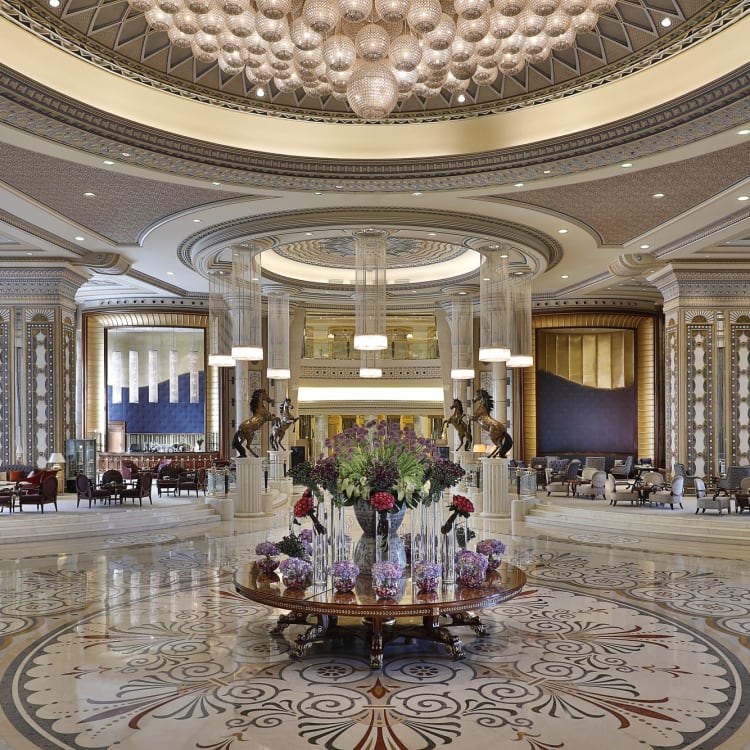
[743, 198]
[431, 234]
[125, 154]
[626, 164]
[503, 255]
[644, 247]
[416, 193]
[170, 273]
[562, 231]
[79, 238]
[29, 253]
[308, 234]
[261, 92]
[565, 276]
[658, 195]
[517, 184]
[744, 131]
[89, 195]
[462, 294]
[318, 192]
[461, 98]
[108, 162]
[547, 171]
[196, 221]
[216, 182]
[666, 22]
[339, 187]
[54, 3]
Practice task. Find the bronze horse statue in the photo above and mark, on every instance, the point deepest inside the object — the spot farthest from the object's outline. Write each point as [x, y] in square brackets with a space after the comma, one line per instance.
[281, 424]
[483, 405]
[249, 427]
[461, 422]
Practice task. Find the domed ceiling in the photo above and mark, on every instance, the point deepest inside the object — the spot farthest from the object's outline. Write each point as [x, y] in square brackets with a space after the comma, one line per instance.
[635, 34]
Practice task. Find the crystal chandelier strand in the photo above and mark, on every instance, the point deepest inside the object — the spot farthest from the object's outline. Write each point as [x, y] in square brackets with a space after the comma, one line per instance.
[373, 53]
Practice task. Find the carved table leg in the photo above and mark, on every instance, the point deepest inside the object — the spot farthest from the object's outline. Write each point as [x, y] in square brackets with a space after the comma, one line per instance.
[376, 644]
[314, 633]
[466, 618]
[451, 642]
[284, 621]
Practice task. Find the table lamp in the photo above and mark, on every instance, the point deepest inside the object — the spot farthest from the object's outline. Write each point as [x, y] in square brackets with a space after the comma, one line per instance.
[58, 460]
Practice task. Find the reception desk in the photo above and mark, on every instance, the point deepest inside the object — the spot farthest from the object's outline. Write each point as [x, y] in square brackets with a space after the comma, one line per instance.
[191, 460]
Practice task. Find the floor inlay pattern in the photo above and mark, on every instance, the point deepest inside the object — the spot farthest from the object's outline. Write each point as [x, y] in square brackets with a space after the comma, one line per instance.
[150, 647]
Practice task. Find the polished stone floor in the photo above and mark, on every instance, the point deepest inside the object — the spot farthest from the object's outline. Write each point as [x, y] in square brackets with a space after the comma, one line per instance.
[140, 641]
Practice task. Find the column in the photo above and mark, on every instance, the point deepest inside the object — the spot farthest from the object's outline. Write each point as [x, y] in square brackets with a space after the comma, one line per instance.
[495, 497]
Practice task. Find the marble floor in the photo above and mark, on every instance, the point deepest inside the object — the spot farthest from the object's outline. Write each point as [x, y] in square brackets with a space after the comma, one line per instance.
[140, 641]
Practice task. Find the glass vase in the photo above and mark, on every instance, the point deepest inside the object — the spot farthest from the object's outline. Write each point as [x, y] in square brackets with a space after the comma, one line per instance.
[320, 548]
[337, 533]
[448, 555]
[382, 536]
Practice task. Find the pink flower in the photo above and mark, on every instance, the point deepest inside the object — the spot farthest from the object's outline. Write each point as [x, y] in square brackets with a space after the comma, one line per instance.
[462, 505]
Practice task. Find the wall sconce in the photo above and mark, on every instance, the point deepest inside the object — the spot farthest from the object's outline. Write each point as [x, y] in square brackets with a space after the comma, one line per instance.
[246, 293]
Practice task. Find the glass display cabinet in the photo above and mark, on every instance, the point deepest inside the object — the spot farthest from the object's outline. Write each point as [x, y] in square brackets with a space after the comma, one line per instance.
[80, 458]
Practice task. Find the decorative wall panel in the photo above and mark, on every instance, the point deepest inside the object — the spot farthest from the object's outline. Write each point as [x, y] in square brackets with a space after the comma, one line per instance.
[69, 358]
[699, 365]
[740, 389]
[671, 394]
[6, 420]
[40, 345]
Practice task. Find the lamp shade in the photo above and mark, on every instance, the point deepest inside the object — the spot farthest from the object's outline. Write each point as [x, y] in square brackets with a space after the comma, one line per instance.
[57, 458]
[369, 294]
[219, 319]
[462, 338]
[247, 341]
[278, 335]
[493, 275]
[519, 321]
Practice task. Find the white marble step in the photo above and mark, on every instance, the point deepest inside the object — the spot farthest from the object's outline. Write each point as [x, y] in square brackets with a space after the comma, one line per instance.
[31, 525]
[659, 521]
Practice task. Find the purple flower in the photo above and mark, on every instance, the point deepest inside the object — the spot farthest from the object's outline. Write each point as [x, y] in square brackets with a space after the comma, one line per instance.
[306, 535]
[490, 547]
[344, 569]
[268, 549]
[294, 567]
[386, 569]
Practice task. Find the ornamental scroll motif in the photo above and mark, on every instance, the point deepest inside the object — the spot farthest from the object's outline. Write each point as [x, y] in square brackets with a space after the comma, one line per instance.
[740, 389]
[671, 391]
[700, 373]
[5, 423]
[39, 334]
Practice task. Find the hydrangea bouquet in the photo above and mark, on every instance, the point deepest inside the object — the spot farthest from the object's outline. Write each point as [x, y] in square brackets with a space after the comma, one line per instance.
[492, 549]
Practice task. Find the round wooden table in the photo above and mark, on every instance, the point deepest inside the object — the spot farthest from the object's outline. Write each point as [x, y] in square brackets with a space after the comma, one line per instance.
[361, 614]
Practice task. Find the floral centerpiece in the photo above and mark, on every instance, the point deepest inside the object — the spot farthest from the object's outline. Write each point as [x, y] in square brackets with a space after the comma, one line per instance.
[386, 577]
[305, 506]
[269, 551]
[441, 474]
[492, 549]
[295, 572]
[294, 546]
[344, 575]
[471, 568]
[427, 576]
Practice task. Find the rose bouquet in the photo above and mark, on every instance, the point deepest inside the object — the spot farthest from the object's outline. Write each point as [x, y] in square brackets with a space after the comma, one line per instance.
[305, 506]
[461, 506]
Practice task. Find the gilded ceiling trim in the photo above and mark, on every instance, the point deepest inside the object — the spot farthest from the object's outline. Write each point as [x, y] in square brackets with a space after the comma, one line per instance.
[36, 110]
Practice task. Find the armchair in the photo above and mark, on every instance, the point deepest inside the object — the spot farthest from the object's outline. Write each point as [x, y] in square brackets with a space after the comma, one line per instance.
[194, 481]
[622, 469]
[595, 486]
[731, 483]
[742, 496]
[671, 494]
[168, 479]
[141, 490]
[680, 471]
[86, 490]
[703, 502]
[615, 496]
[562, 483]
[47, 493]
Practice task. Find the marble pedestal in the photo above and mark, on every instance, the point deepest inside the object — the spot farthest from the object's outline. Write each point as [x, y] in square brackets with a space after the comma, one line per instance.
[248, 498]
[495, 497]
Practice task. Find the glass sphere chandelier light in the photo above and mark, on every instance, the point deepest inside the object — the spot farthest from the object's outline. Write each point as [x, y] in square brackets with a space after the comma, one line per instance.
[372, 53]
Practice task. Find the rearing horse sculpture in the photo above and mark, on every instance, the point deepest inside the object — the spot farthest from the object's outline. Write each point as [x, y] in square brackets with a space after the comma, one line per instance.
[461, 422]
[483, 405]
[281, 424]
[250, 426]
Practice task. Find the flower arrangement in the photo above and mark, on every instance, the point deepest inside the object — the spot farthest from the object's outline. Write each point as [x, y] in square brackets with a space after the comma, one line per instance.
[381, 458]
[441, 474]
[492, 549]
[344, 575]
[471, 568]
[294, 546]
[461, 506]
[305, 506]
[427, 576]
[385, 578]
[295, 572]
[306, 535]
[269, 551]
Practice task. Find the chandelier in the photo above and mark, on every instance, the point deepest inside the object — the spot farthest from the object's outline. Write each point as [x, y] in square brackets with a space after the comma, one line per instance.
[372, 53]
